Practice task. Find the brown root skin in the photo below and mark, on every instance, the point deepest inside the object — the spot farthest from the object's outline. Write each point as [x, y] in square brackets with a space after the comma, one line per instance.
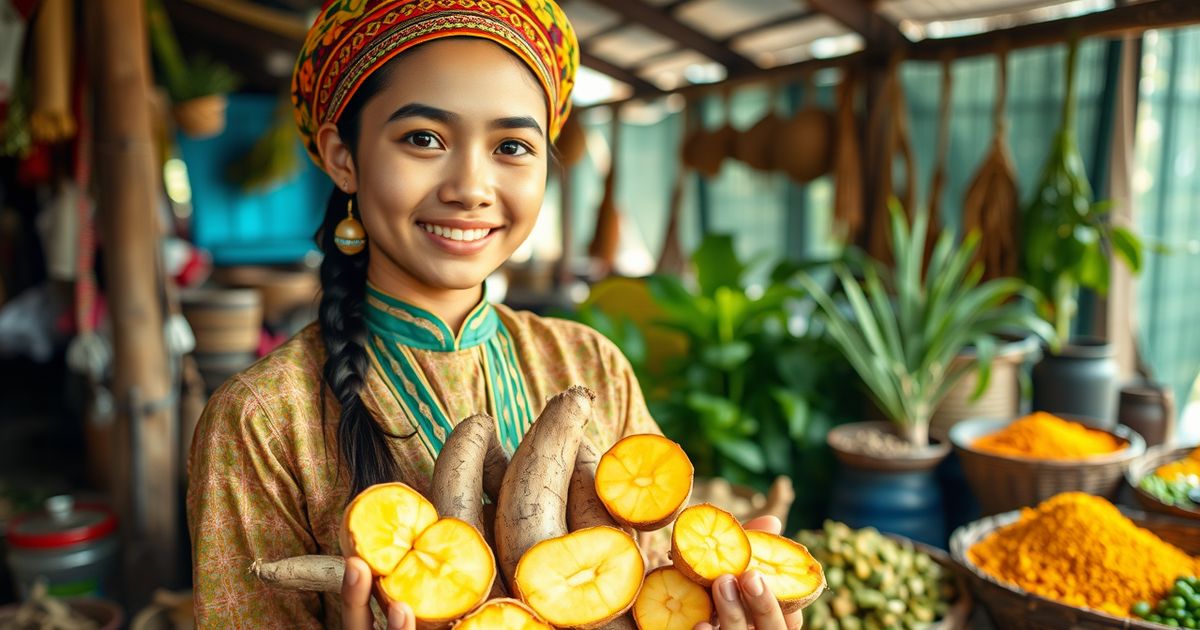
[624, 622]
[302, 573]
[584, 508]
[458, 471]
[495, 464]
[533, 498]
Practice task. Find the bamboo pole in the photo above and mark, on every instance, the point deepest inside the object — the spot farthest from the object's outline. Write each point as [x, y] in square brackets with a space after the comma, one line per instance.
[144, 481]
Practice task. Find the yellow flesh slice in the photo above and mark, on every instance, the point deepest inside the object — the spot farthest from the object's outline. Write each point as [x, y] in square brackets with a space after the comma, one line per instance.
[502, 614]
[670, 601]
[446, 574]
[644, 478]
[711, 542]
[384, 520]
[786, 566]
[583, 577]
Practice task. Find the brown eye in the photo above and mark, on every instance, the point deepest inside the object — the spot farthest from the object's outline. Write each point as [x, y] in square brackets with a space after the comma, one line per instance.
[424, 139]
[512, 147]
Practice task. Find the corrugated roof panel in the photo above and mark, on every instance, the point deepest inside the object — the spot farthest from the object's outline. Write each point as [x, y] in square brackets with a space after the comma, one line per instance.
[722, 18]
[788, 43]
[629, 45]
[589, 18]
[670, 71]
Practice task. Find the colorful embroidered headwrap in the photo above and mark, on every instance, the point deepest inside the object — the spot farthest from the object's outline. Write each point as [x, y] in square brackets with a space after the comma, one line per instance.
[353, 38]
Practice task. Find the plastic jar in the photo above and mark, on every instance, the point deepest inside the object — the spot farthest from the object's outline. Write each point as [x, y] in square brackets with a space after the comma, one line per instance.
[73, 547]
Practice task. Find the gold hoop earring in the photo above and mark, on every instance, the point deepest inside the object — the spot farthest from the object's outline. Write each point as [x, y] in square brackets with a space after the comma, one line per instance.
[349, 235]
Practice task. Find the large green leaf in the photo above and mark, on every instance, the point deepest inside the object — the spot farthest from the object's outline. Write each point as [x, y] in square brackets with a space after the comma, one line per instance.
[795, 410]
[726, 356]
[717, 264]
[1128, 246]
[744, 453]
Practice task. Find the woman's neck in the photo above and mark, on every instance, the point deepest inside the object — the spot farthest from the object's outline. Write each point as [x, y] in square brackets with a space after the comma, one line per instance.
[450, 305]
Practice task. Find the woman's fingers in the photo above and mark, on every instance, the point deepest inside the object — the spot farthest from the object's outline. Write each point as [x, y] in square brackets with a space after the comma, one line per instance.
[356, 595]
[763, 608]
[731, 615]
[400, 617]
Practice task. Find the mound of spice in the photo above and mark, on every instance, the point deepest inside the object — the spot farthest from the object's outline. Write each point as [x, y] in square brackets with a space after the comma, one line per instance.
[1182, 468]
[1080, 550]
[1041, 435]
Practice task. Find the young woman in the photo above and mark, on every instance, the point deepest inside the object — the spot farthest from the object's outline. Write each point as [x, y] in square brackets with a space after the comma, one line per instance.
[434, 119]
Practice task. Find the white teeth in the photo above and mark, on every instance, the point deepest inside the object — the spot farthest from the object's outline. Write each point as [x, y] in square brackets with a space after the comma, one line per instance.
[456, 234]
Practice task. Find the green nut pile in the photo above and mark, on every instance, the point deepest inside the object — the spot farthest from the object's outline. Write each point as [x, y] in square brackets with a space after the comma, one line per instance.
[875, 582]
[1179, 609]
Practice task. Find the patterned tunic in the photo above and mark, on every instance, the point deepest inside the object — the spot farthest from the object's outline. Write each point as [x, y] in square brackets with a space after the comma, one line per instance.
[265, 480]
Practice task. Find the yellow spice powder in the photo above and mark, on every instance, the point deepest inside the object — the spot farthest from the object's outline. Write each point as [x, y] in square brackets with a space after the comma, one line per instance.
[1044, 436]
[1079, 549]
[1185, 467]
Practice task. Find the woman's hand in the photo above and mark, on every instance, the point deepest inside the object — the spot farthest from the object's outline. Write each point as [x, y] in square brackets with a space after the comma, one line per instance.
[746, 602]
[356, 601]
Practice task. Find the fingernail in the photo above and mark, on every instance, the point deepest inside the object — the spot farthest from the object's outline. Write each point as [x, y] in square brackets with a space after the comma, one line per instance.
[754, 585]
[728, 590]
[397, 618]
[351, 575]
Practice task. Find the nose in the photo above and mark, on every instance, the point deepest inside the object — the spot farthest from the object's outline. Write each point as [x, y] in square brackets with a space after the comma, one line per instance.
[468, 181]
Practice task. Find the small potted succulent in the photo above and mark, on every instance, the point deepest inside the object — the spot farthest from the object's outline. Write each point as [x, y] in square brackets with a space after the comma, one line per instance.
[198, 87]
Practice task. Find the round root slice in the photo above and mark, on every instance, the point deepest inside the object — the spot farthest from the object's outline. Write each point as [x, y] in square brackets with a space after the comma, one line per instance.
[708, 542]
[792, 574]
[644, 480]
[447, 573]
[583, 579]
[509, 614]
[382, 522]
[670, 601]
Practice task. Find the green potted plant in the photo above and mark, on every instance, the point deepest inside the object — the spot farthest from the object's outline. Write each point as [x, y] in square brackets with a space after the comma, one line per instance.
[1068, 239]
[901, 330]
[198, 88]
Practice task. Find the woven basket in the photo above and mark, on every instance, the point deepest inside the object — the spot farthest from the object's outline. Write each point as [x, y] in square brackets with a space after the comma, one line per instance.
[1013, 608]
[1003, 483]
[1146, 465]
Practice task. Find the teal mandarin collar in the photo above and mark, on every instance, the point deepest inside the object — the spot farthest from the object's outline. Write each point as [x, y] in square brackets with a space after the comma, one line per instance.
[408, 325]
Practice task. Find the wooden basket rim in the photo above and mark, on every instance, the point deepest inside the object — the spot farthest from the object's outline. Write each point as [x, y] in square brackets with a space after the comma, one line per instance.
[1135, 447]
[1159, 454]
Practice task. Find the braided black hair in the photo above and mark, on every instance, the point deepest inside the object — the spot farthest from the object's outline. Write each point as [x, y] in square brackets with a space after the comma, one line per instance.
[362, 442]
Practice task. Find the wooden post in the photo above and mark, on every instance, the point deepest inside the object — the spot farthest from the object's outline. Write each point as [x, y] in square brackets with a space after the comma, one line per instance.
[126, 185]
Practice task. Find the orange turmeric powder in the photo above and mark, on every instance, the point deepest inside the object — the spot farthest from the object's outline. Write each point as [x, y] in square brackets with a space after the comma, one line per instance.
[1044, 436]
[1185, 467]
[1080, 550]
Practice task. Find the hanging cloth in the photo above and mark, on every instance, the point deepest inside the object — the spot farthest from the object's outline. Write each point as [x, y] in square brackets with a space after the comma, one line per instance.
[397, 329]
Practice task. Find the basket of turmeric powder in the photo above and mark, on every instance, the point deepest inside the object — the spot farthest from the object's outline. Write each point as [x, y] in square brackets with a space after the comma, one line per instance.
[1167, 480]
[1075, 561]
[1018, 463]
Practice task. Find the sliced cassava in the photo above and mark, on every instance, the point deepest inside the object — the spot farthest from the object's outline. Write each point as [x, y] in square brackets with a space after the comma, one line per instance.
[448, 572]
[670, 601]
[708, 542]
[582, 580]
[644, 481]
[506, 614]
[790, 572]
[533, 498]
[382, 522]
[584, 508]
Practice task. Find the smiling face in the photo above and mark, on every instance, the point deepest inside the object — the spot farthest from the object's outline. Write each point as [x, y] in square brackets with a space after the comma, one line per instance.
[450, 168]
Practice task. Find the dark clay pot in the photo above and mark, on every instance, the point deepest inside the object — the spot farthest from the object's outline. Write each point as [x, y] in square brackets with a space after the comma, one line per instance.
[1080, 380]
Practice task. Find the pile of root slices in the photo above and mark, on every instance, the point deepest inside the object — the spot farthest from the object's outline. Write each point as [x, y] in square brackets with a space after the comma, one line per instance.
[559, 551]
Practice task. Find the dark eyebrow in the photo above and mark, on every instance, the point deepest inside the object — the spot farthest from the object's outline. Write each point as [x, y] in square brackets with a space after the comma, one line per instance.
[418, 110]
[517, 122]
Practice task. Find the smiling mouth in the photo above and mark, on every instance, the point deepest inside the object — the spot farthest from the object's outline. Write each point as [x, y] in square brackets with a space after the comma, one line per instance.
[457, 234]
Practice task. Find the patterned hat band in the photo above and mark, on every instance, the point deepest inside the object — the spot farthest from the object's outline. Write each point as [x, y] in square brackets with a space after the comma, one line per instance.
[351, 39]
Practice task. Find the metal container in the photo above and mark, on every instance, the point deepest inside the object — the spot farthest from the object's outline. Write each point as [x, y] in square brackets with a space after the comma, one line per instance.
[73, 547]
